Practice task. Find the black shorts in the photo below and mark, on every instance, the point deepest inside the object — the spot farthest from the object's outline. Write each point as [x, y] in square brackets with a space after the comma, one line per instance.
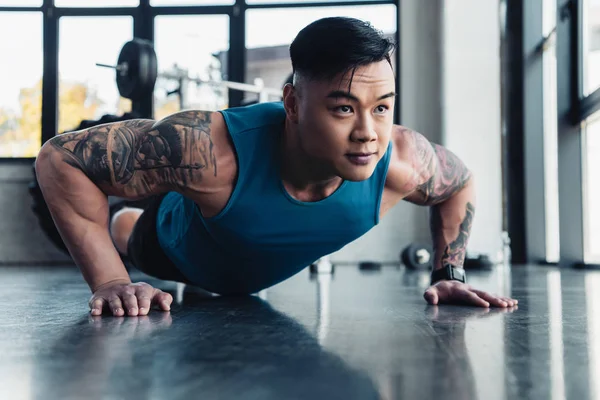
[143, 249]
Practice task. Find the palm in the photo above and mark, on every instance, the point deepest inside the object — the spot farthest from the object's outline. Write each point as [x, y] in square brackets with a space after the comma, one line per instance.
[454, 292]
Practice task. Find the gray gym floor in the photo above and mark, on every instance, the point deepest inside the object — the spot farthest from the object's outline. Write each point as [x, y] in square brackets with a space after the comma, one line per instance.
[350, 335]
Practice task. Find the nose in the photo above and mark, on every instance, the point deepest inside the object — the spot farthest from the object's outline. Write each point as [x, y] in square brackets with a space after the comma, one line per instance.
[364, 131]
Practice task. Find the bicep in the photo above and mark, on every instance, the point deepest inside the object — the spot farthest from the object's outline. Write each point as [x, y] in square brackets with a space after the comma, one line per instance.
[439, 172]
[139, 158]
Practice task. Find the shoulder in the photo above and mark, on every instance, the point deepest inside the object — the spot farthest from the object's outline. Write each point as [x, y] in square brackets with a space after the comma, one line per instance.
[411, 154]
[205, 139]
[201, 125]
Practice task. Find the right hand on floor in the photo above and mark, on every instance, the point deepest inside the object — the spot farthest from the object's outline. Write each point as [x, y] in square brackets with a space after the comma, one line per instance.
[128, 299]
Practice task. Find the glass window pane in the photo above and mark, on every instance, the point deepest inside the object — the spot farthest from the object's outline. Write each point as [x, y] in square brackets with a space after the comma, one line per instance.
[96, 3]
[85, 90]
[20, 3]
[591, 42]
[21, 83]
[551, 137]
[295, 1]
[199, 39]
[268, 53]
[191, 2]
[548, 16]
[592, 189]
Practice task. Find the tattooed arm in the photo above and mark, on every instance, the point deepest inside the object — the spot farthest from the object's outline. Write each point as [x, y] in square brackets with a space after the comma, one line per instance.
[446, 185]
[132, 159]
[427, 174]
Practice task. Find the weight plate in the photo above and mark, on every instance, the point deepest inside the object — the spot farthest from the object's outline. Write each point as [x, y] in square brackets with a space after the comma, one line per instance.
[137, 80]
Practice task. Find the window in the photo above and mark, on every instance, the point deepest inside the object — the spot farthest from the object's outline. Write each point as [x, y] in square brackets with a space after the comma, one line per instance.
[21, 84]
[550, 134]
[295, 1]
[85, 90]
[20, 3]
[198, 40]
[96, 3]
[191, 2]
[268, 53]
[591, 140]
[591, 45]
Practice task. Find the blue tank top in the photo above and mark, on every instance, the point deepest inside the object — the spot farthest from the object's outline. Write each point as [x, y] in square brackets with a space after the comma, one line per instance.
[263, 235]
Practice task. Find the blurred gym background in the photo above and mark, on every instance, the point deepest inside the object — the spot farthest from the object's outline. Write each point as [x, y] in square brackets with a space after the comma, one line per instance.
[510, 86]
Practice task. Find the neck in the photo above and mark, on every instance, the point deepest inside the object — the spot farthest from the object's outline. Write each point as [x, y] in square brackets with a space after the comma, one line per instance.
[304, 176]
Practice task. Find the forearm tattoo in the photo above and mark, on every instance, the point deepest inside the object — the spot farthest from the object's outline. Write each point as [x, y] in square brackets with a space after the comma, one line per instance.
[447, 173]
[454, 252]
[172, 152]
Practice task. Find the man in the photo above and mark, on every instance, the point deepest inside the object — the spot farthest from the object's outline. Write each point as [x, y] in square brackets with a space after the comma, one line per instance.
[247, 197]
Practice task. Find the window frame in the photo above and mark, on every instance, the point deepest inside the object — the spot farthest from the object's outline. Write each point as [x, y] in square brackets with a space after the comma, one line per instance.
[143, 27]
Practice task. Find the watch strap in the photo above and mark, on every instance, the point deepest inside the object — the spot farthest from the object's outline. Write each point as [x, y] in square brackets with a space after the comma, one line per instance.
[450, 273]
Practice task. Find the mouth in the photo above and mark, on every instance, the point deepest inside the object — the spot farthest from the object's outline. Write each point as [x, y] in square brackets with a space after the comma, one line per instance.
[360, 158]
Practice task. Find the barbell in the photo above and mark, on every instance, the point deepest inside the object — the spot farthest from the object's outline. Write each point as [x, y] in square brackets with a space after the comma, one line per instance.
[136, 72]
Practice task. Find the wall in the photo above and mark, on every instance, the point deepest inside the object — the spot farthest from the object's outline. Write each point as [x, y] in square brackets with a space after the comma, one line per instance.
[450, 92]
[22, 242]
[471, 101]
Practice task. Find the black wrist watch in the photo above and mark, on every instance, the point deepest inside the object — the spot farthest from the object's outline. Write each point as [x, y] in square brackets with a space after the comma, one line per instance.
[449, 273]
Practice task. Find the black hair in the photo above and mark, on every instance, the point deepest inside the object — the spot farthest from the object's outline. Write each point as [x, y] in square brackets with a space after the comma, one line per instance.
[330, 46]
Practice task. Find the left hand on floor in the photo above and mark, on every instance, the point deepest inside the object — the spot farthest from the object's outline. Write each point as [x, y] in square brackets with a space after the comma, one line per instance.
[454, 292]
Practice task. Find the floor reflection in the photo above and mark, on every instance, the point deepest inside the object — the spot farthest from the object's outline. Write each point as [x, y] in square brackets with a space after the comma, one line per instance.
[220, 347]
[592, 295]
[555, 317]
[345, 335]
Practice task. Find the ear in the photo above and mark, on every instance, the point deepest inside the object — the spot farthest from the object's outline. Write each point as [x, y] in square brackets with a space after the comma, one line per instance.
[290, 102]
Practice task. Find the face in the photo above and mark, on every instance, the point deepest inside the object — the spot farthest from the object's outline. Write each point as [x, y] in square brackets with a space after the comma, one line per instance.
[347, 132]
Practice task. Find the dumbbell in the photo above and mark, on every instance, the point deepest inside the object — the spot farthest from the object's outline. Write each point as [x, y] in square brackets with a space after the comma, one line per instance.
[322, 266]
[415, 256]
[369, 266]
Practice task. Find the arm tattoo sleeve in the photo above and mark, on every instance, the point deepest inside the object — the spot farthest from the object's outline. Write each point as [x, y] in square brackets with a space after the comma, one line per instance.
[447, 173]
[143, 154]
[453, 253]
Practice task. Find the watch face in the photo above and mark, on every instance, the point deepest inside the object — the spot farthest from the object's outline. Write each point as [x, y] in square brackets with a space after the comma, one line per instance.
[455, 273]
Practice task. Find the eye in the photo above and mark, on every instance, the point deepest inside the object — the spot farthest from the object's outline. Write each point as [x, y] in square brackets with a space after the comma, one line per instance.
[344, 109]
[382, 109]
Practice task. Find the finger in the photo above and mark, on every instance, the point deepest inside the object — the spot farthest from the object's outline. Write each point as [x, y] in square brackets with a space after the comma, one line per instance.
[162, 300]
[116, 306]
[144, 299]
[509, 301]
[493, 300]
[472, 298]
[97, 305]
[431, 296]
[130, 302]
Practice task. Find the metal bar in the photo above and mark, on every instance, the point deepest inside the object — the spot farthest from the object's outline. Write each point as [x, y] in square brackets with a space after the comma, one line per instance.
[121, 67]
[589, 106]
[236, 56]
[143, 28]
[321, 4]
[20, 9]
[50, 79]
[192, 10]
[533, 131]
[513, 102]
[93, 11]
[228, 84]
[570, 161]
[576, 8]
